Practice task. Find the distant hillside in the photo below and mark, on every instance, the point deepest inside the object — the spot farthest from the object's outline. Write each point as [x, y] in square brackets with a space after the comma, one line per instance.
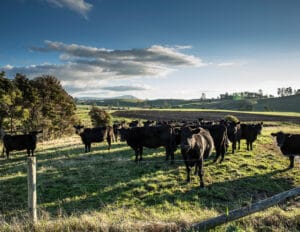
[287, 104]
[283, 104]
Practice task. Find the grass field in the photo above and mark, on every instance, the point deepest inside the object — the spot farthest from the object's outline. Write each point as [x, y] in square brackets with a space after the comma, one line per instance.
[108, 191]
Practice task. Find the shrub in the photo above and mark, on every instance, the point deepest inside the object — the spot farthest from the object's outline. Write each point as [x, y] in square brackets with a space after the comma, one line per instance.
[231, 118]
[99, 117]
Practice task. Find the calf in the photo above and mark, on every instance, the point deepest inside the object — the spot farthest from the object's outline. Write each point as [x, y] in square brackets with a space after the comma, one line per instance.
[116, 129]
[233, 129]
[196, 145]
[20, 142]
[289, 145]
[92, 135]
[150, 137]
[249, 132]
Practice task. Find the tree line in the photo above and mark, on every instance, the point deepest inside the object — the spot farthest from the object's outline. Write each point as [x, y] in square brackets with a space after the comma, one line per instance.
[34, 104]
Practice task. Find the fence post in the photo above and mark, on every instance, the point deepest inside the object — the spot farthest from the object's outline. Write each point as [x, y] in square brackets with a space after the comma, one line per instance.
[31, 183]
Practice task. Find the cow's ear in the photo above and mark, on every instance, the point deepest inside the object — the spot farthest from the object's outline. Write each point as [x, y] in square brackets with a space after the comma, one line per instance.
[261, 123]
[41, 131]
[274, 134]
[238, 123]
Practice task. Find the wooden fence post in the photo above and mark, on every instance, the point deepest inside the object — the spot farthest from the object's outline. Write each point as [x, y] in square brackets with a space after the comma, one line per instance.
[31, 183]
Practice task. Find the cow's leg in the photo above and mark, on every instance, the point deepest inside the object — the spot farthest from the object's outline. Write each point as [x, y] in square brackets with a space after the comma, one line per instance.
[233, 146]
[7, 154]
[226, 145]
[28, 152]
[172, 156]
[292, 160]
[196, 170]
[239, 144]
[188, 170]
[109, 142]
[217, 154]
[201, 172]
[136, 150]
[89, 147]
[3, 152]
[167, 153]
[223, 150]
[247, 145]
[251, 147]
[141, 153]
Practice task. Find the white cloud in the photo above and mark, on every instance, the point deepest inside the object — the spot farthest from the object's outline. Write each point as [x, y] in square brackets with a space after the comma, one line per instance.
[85, 66]
[124, 88]
[8, 67]
[183, 46]
[80, 6]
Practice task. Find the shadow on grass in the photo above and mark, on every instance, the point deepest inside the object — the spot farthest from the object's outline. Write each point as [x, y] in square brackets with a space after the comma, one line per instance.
[75, 182]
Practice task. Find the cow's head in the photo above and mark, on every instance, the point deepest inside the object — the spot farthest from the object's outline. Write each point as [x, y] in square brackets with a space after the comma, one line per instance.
[78, 129]
[259, 127]
[123, 133]
[187, 141]
[232, 127]
[280, 138]
[35, 132]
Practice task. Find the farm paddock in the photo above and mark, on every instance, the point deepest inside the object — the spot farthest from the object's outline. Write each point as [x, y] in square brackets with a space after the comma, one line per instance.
[108, 191]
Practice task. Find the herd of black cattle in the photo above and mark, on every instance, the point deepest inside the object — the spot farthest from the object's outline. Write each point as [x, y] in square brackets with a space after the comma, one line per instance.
[196, 139]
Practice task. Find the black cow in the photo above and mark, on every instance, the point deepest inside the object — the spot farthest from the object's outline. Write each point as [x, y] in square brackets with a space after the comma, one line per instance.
[149, 123]
[92, 135]
[196, 145]
[20, 142]
[289, 145]
[150, 137]
[134, 123]
[219, 135]
[116, 129]
[233, 130]
[249, 132]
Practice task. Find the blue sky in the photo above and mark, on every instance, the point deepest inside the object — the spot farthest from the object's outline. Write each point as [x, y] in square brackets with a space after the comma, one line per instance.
[154, 48]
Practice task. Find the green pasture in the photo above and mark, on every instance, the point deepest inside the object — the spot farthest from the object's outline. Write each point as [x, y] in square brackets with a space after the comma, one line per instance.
[108, 191]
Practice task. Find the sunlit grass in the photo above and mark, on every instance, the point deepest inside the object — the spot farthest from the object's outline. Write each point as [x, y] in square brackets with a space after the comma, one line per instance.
[104, 190]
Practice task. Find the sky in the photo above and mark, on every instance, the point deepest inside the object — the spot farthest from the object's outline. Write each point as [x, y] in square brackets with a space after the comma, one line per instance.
[154, 48]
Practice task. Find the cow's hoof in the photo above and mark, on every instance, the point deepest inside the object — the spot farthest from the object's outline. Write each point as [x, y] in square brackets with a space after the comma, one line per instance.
[290, 167]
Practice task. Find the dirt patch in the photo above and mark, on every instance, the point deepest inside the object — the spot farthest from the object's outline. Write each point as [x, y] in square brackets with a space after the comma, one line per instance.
[207, 115]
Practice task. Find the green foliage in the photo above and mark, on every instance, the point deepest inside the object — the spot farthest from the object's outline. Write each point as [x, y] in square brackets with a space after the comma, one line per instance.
[99, 117]
[231, 118]
[32, 104]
